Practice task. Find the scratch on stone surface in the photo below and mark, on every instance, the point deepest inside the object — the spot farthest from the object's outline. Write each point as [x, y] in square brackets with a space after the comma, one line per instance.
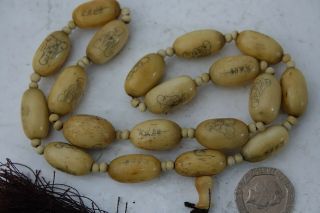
[49, 20]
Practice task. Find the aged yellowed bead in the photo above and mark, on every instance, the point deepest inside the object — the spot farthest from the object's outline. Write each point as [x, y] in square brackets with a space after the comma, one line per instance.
[51, 54]
[260, 46]
[265, 143]
[199, 43]
[68, 158]
[67, 90]
[88, 131]
[58, 125]
[222, 134]
[157, 134]
[145, 74]
[294, 92]
[96, 13]
[107, 42]
[53, 118]
[200, 163]
[234, 70]
[35, 142]
[204, 187]
[169, 94]
[134, 168]
[34, 114]
[265, 98]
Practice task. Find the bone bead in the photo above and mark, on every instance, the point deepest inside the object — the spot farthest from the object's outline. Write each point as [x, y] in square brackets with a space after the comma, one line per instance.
[35, 142]
[222, 134]
[134, 168]
[87, 131]
[145, 74]
[200, 163]
[294, 92]
[96, 13]
[234, 70]
[157, 134]
[167, 165]
[107, 42]
[68, 158]
[34, 114]
[260, 46]
[170, 94]
[198, 43]
[204, 187]
[67, 90]
[265, 143]
[51, 54]
[265, 98]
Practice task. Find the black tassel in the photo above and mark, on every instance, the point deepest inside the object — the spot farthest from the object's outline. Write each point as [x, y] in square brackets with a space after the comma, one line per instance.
[22, 194]
[194, 208]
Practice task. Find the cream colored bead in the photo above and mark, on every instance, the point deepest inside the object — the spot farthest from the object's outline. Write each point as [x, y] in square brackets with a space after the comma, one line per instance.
[35, 77]
[205, 77]
[238, 158]
[103, 167]
[190, 133]
[252, 127]
[40, 149]
[234, 34]
[287, 125]
[198, 81]
[292, 120]
[33, 85]
[95, 167]
[58, 125]
[68, 29]
[260, 126]
[83, 62]
[231, 161]
[35, 142]
[142, 107]
[53, 118]
[184, 132]
[162, 53]
[270, 70]
[169, 51]
[263, 65]
[167, 165]
[235, 159]
[135, 102]
[125, 134]
[228, 37]
[71, 24]
[126, 19]
[286, 58]
[290, 64]
[125, 11]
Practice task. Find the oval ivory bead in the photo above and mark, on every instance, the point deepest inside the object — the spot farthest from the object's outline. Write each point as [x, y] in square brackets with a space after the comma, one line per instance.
[222, 134]
[107, 42]
[234, 70]
[95, 13]
[198, 43]
[145, 74]
[67, 90]
[265, 98]
[134, 168]
[294, 92]
[265, 143]
[51, 54]
[200, 163]
[34, 114]
[260, 46]
[87, 131]
[158, 134]
[68, 158]
[169, 94]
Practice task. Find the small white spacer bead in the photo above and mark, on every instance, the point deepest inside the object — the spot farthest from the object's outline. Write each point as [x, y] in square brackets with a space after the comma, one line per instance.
[68, 29]
[270, 70]
[290, 64]
[71, 25]
[234, 34]
[228, 37]
[95, 167]
[198, 81]
[35, 142]
[260, 126]
[126, 18]
[190, 133]
[238, 157]
[286, 58]
[125, 11]
[231, 161]
[33, 85]
[142, 107]
[169, 51]
[263, 65]
[103, 167]
[292, 120]
[84, 62]
[35, 77]
[162, 53]
[125, 134]
[252, 127]
[184, 132]
[167, 165]
[58, 125]
[40, 149]
[53, 118]
[135, 102]
[287, 125]
[205, 77]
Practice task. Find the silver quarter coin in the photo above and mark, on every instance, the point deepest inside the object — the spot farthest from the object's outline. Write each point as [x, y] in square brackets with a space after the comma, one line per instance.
[264, 190]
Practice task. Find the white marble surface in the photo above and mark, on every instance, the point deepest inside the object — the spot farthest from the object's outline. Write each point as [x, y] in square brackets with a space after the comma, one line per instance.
[155, 25]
